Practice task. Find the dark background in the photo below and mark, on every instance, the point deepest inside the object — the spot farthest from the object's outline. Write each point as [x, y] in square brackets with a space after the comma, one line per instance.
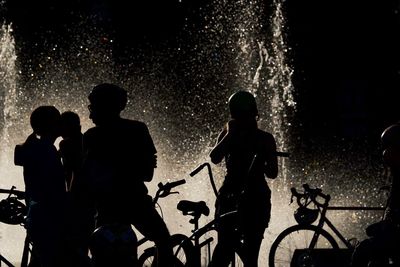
[345, 53]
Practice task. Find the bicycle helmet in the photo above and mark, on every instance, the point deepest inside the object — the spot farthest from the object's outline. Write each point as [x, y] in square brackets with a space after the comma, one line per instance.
[113, 240]
[305, 216]
[242, 104]
[12, 211]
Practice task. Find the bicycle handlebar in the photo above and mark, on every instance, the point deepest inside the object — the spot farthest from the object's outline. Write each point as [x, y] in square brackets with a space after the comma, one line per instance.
[164, 190]
[12, 191]
[169, 185]
[198, 169]
[206, 164]
[310, 193]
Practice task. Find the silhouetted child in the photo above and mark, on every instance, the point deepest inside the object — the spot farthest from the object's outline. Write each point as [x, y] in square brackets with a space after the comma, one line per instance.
[45, 186]
[120, 157]
[71, 145]
[250, 155]
[81, 216]
[385, 235]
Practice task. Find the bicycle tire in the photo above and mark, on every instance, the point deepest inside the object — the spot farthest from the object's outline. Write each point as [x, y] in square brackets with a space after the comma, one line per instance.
[292, 239]
[238, 262]
[147, 259]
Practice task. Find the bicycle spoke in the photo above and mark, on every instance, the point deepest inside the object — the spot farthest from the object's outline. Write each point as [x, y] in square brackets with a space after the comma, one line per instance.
[295, 241]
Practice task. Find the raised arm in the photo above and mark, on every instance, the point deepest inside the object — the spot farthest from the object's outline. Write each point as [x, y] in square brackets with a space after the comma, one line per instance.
[218, 152]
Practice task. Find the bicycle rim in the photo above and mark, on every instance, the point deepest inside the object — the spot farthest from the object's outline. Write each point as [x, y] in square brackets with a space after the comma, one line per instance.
[183, 249]
[291, 247]
[237, 261]
[148, 258]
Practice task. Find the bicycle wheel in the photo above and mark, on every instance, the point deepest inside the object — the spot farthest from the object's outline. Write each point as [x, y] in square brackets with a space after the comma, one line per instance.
[147, 259]
[291, 247]
[237, 260]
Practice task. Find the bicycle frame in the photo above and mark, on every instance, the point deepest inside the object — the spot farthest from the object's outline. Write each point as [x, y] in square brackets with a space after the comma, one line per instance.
[324, 207]
[198, 233]
[324, 220]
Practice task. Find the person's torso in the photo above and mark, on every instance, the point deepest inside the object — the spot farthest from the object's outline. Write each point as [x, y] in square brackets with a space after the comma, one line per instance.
[245, 161]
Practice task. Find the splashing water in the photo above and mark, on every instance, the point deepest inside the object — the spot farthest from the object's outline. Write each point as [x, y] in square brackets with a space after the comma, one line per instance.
[8, 97]
[8, 86]
[233, 50]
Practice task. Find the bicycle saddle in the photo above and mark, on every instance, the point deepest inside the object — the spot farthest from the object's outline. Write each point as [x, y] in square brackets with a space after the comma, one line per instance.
[193, 208]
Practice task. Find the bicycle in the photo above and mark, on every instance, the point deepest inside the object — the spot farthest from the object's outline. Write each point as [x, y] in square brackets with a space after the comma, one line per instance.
[305, 244]
[127, 235]
[13, 212]
[201, 237]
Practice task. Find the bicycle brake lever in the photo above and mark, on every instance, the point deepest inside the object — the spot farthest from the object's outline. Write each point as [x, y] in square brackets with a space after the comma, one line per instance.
[164, 193]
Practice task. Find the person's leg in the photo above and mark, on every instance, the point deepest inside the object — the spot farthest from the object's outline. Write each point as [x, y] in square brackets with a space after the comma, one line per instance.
[362, 253]
[151, 225]
[224, 251]
[252, 239]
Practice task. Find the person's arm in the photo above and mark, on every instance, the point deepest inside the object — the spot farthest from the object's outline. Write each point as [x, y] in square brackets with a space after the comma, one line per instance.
[271, 167]
[224, 139]
[150, 156]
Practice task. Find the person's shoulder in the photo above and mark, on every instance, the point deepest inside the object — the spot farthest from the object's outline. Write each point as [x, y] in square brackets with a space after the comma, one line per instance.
[90, 131]
[135, 125]
[265, 135]
[63, 144]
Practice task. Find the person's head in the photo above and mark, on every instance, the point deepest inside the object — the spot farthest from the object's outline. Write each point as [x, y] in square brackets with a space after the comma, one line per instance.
[243, 106]
[106, 102]
[70, 124]
[45, 122]
[391, 146]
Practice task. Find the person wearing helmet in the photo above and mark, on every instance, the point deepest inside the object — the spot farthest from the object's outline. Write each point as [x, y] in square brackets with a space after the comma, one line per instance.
[250, 155]
[44, 186]
[384, 236]
[119, 157]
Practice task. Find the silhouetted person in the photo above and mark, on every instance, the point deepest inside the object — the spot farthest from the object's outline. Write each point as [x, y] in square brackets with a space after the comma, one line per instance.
[120, 157]
[385, 235]
[71, 145]
[81, 212]
[45, 186]
[250, 155]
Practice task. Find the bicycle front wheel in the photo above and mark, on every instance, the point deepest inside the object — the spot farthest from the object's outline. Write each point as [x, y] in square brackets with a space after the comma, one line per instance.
[292, 246]
[148, 258]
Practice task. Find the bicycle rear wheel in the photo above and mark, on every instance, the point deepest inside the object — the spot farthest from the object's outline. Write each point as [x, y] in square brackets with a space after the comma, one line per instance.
[148, 258]
[292, 246]
[237, 260]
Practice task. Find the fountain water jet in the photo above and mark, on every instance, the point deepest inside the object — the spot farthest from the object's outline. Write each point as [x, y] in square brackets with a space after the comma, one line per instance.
[231, 51]
[9, 119]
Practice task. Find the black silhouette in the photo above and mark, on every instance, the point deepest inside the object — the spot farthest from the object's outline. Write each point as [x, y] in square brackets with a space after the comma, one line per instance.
[81, 215]
[249, 155]
[120, 157]
[44, 186]
[71, 145]
[382, 246]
